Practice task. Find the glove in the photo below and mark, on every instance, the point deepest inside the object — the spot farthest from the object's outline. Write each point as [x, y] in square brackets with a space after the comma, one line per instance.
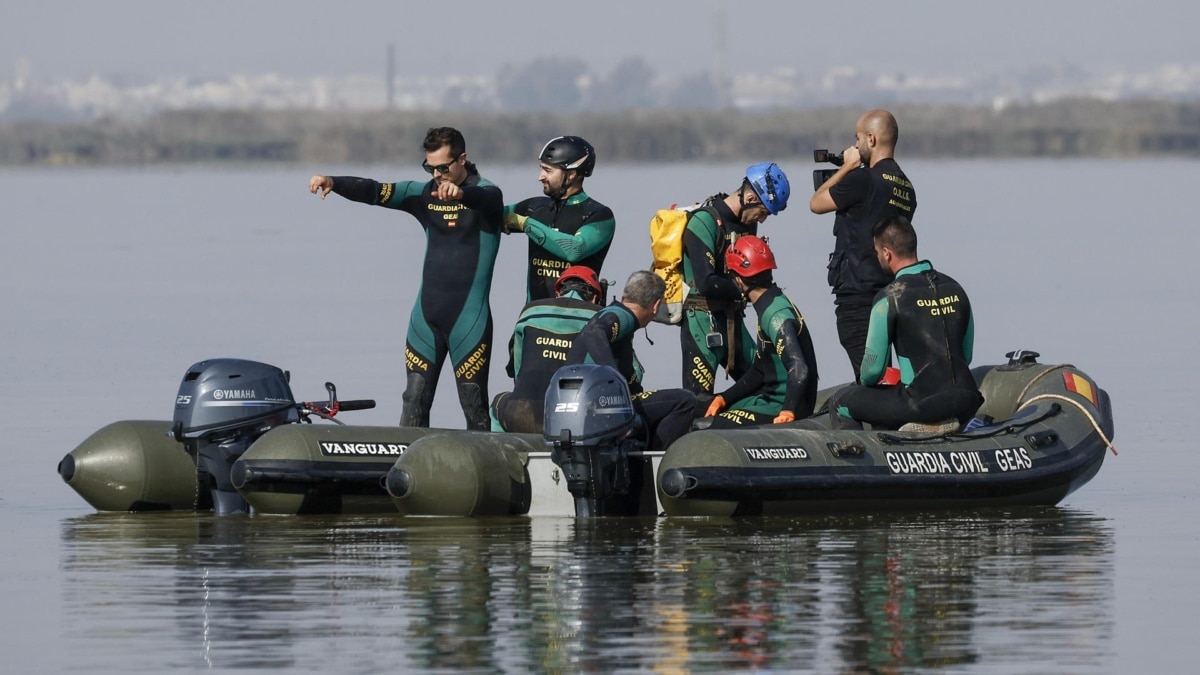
[785, 416]
[514, 223]
[717, 405]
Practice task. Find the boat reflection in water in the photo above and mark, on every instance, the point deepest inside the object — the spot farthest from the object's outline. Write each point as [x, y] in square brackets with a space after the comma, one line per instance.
[828, 593]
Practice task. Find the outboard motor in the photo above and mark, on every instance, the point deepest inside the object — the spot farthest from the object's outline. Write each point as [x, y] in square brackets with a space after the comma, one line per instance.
[591, 427]
[223, 406]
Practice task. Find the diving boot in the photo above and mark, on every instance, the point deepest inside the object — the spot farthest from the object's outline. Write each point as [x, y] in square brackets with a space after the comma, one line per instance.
[418, 400]
[473, 400]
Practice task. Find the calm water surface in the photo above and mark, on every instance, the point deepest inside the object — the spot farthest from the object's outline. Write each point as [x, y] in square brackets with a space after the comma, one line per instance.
[117, 281]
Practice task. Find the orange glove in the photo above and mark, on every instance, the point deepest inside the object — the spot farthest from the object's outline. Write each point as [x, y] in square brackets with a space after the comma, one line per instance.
[785, 416]
[717, 405]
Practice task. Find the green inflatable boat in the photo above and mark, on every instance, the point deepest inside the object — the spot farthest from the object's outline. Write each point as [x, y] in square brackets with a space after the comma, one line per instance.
[1050, 427]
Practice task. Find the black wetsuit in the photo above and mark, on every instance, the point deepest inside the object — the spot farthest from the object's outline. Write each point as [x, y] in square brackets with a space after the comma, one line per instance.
[863, 197]
[577, 230]
[607, 339]
[714, 307]
[543, 336]
[784, 373]
[452, 314]
[926, 316]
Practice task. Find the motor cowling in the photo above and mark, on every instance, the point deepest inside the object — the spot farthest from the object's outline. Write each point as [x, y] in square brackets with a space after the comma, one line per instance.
[589, 401]
[223, 406]
[589, 424]
[221, 397]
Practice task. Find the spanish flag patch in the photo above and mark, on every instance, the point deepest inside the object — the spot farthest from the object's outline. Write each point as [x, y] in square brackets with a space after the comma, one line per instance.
[1079, 384]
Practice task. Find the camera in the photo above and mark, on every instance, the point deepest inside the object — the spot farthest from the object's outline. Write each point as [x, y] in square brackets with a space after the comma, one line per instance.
[823, 156]
[714, 340]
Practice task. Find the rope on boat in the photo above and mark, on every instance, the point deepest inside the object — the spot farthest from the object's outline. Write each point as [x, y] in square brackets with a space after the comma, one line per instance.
[1039, 376]
[1086, 413]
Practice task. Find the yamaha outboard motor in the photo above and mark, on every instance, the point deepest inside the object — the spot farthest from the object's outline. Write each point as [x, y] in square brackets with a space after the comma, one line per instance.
[223, 406]
[591, 428]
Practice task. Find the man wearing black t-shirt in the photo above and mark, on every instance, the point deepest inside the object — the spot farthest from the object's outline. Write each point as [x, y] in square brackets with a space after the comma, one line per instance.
[868, 187]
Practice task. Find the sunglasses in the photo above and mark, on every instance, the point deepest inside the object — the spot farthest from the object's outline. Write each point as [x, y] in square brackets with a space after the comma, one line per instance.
[440, 168]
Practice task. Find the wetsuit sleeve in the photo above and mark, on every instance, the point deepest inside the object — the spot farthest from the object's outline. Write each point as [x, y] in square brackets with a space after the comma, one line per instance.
[356, 189]
[486, 198]
[521, 208]
[589, 239]
[368, 191]
[639, 373]
[699, 247]
[787, 344]
[851, 190]
[597, 337]
[879, 340]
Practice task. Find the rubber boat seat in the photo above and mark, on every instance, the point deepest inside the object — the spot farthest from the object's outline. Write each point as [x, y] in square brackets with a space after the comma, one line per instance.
[948, 426]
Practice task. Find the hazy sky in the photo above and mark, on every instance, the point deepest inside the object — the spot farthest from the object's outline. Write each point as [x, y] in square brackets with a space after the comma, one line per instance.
[77, 38]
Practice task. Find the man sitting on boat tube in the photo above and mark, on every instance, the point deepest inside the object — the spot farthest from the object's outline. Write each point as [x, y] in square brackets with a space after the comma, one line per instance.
[607, 339]
[781, 383]
[926, 317]
[544, 333]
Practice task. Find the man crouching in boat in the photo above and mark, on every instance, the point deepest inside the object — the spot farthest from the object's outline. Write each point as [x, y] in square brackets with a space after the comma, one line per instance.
[544, 334]
[926, 316]
[608, 340]
[781, 384]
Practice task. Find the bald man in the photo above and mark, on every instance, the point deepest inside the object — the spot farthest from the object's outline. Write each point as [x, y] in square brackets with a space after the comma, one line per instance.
[868, 187]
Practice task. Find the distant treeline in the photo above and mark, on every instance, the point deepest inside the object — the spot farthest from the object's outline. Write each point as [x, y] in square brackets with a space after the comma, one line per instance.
[1069, 128]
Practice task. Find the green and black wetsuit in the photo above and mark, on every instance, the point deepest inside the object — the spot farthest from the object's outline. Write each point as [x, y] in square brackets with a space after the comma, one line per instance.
[784, 373]
[452, 314]
[577, 230]
[926, 316]
[544, 334]
[607, 339]
[714, 306]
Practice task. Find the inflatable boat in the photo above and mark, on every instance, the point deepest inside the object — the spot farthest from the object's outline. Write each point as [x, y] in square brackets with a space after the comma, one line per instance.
[1052, 428]
[1045, 433]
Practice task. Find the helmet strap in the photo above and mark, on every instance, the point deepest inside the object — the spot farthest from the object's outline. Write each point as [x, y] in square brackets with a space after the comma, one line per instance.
[742, 199]
[560, 193]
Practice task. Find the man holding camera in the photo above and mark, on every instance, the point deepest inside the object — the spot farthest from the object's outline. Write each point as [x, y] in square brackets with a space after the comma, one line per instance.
[868, 187]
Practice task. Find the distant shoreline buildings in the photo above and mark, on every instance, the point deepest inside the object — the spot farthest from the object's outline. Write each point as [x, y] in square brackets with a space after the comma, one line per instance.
[563, 85]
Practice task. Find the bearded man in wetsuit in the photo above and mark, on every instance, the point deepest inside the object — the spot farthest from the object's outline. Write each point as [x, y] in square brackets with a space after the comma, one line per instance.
[462, 214]
[867, 187]
[712, 333]
[926, 317]
[781, 384]
[544, 334]
[566, 226]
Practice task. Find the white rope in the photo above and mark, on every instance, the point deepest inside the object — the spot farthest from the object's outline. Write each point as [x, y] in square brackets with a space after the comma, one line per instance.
[1039, 376]
[1086, 413]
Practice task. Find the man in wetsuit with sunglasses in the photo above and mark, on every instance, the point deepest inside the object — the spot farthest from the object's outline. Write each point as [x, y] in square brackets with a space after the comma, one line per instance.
[462, 215]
